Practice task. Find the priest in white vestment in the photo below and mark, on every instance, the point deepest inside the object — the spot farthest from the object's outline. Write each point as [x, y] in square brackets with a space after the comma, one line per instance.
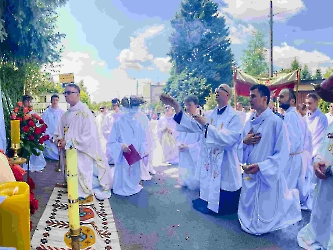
[167, 135]
[51, 117]
[241, 113]
[220, 171]
[36, 163]
[266, 204]
[148, 169]
[189, 149]
[329, 115]
[77, 128]
[110, 118]
[126, 131]
[298, 171]
[318, 234]
[316, 120]
[100, 118]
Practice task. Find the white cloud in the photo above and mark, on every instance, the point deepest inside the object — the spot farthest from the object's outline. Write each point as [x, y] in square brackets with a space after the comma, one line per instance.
[259, 9]
[163, 64]
[284, 55]
[238, 31]
[138, 52]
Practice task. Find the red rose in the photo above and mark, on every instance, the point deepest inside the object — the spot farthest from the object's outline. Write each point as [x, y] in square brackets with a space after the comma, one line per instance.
[41, 140]
[16, 109]
[31, 137]
[34, 204]
[13, 116]
[26, 129]
[46, 137]
[31, 123]
[32, 210]
[32, 197]
[30, 225]
[19, 118]
[41, 121]
[31, 183]
[20, 104]
[43, 128]
[38, 131]
[25, 110]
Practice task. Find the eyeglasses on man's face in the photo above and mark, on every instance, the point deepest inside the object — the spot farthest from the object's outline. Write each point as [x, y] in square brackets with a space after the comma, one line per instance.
[69, 92]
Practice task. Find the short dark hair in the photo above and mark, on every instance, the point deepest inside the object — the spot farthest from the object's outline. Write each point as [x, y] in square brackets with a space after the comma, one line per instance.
[27, 98]
[115, 101]
[314, 96]
[73, 85]
[133, 101]
[192, 98]
[54, 96]
[263, 91]
[292, 95]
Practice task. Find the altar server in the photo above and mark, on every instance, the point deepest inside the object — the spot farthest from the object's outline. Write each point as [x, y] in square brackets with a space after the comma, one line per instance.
[51, 117]
[298, 171]
[126, 131]
[167, 134]
[318, 233]
[266, 204]
[100, 119]
[316, 120]
[189, 148]
[220, 172]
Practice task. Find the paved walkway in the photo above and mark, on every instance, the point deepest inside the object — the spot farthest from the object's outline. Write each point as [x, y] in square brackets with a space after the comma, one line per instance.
[161, 217]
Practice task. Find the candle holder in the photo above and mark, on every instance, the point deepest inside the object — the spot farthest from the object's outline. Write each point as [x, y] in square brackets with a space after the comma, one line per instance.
[16, 159]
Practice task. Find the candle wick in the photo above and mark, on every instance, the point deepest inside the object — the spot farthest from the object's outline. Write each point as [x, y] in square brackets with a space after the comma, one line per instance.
[15, 191]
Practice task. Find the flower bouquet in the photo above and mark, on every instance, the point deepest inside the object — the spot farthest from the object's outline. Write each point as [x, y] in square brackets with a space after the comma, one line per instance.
[18, 172]
[32, 131]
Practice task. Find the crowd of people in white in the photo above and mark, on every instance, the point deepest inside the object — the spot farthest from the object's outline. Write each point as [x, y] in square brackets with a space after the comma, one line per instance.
[265, 166]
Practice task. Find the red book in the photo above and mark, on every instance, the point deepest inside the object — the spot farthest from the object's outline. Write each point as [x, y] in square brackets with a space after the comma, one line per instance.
[133, 156]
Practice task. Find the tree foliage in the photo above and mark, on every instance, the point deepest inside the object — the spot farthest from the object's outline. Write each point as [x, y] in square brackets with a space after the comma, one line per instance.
[210, 101]
[253, 58]
[184, 84]
[324, 106]
[328, 73]
[318, 75]
[200, 45]
[306, 74]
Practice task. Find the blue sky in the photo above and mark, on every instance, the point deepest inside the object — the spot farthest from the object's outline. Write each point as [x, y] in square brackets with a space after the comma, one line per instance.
[113, 44]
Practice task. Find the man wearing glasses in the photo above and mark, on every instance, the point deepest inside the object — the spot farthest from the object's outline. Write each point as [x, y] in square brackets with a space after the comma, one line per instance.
[220, 172]
[77, 128]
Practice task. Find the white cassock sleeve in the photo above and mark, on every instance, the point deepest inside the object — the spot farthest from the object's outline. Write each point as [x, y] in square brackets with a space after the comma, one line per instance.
[226, 137]
[319, 133]
[293, 132]
[187, 124]
[114, 143]
[271, 168]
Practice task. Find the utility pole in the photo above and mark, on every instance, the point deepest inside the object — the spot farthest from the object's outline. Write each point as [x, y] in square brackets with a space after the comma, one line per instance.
[271, 39]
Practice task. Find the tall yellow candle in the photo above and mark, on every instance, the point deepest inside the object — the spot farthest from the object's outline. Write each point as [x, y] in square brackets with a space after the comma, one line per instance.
[15, 131]
[15, 215]
[73, 189]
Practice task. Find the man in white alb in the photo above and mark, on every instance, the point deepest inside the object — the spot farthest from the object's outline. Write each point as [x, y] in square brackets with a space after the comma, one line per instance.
[100, 119]
[266, 204]
[51, 117]
[329, 115]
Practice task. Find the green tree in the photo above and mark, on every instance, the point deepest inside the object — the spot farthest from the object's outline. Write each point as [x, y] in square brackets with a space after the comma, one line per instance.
[184, 84]
[210, 101]
[328, 73]
[295, 65]
[324, 106]
[306, 75]
[200, 44]
[318, 75]
[84, 95]
[253, 58]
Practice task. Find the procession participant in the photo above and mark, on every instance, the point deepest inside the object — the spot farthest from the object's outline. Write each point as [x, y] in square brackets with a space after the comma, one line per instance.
[298, 172]
[51, 117]
[241, 113]
[329, 115]
[36, 163]
[126, 131]
[266, 204]
[318, 233]
[77, 128]
[110, 118]
[189, 148]
[100, 118]
[148, 169]
[167, 134]
[316, 120]
[302, 110]
[220, 172]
